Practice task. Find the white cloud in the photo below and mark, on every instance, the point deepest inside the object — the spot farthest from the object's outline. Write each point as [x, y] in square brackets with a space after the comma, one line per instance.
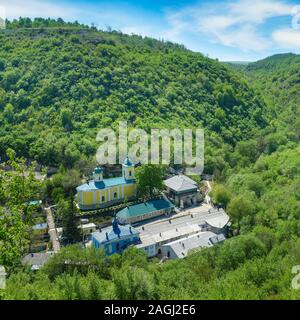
[139, 30]
[257, 11]
[233, 24]
[35, 8]
[287, 38]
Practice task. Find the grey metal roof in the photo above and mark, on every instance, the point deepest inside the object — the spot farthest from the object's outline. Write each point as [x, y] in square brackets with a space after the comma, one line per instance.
[181, 226]
[40, 226]
[182, 247]
[181, 183]
[217, 238]
[219, 221]
[37, 259]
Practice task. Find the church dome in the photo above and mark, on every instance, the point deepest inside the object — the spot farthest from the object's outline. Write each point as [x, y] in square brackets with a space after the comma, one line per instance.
[98, 170]
[127, 162]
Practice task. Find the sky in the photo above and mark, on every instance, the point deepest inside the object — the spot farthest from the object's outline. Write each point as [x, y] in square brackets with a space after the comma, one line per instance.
[230, 30]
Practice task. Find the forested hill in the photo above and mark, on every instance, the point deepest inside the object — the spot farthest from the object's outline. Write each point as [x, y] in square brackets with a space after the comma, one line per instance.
[278, 79]
[60, 82]
[274, 62]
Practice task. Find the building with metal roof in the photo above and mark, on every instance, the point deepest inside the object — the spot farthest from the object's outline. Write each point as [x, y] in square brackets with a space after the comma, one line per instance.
[184, 246]
[218, 223]
[37, 260]
[40, 229]
[116, 238]
[145, 210]
[40, 226]
[101, 193]
[183, 190]
[154, 235]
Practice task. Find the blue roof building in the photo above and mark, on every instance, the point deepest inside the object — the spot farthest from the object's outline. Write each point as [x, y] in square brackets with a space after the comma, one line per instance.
[115, 239]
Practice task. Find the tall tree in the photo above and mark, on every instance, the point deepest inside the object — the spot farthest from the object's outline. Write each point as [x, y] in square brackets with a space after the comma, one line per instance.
[70, 226]
[149, 179]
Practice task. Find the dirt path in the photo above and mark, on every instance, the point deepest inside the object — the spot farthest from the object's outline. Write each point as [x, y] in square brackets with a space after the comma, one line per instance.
[52, 230]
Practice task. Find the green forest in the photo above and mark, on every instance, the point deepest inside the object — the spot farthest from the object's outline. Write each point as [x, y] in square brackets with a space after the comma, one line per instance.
[61, 82]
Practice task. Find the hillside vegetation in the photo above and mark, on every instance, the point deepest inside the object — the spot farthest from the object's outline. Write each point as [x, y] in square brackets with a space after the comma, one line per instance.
[59, 84]
[278, 79]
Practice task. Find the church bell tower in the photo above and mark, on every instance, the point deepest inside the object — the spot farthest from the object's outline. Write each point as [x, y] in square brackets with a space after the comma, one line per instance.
[128, 169]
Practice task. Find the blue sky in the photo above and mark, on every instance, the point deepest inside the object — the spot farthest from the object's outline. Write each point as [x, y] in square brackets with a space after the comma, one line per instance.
[231, 30]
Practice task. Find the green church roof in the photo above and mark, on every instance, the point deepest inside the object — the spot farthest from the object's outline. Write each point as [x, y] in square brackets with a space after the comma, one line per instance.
[144, 208]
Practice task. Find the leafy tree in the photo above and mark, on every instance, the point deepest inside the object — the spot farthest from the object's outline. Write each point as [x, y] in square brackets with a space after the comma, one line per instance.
[149, 179]
[69, 221]
[132, 283]
[221, 195]
[66, 119]
[239, 207]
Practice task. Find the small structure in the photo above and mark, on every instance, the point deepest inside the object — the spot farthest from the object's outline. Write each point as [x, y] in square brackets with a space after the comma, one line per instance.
[218, 223]
[182, 247]
[145, 210]
[101, 193]
[183, 190]
[40, 229]
[88, 228]
[59, 231]
[115, 239]
[37, 260]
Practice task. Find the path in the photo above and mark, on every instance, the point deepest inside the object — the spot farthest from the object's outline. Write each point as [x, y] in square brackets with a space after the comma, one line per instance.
[207, 197]
[52, 230]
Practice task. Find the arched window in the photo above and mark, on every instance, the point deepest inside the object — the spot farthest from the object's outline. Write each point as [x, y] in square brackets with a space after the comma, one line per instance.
[115, 195]
[103, 198]
[130, 173]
